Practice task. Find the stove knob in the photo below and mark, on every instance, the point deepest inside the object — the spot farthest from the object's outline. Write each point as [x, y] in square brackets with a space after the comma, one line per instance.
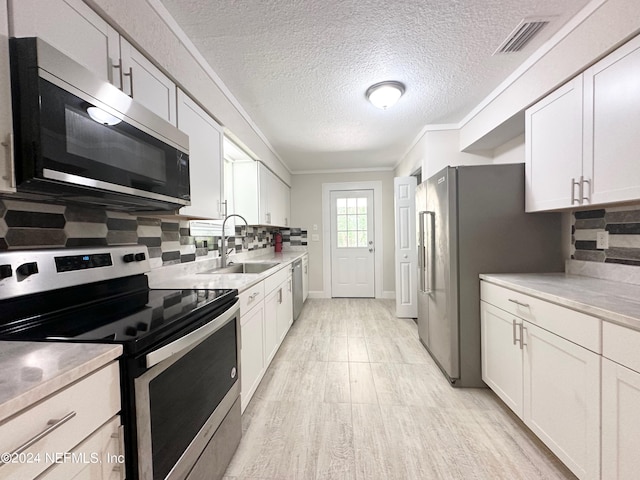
[5, 271]
[140, 257]
[27, 269]
[142, 327]
[131, 331]
[128, 258]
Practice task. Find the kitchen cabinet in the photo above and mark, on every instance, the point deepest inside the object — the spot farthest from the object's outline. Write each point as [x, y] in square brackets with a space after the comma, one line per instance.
[205, 159]
[278, 310]
[285, 308]
[543, 361]
[104, 445]
[7, 179]
[620, 400]
[611, 141]
[78, 410]
[581, 141]
[101, 50]
[252, 354]
[305, 277]
[553, 130]
[271, 303]
[262, 198]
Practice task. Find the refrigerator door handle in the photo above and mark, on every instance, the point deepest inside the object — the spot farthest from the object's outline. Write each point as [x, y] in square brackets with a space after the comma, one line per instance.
[431, 249]
[422, 259]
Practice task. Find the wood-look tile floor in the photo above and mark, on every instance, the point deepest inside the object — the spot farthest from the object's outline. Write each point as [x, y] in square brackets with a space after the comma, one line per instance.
[353, 394]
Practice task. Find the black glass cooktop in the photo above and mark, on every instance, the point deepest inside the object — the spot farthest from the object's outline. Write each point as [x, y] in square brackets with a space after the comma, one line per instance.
[125, 312]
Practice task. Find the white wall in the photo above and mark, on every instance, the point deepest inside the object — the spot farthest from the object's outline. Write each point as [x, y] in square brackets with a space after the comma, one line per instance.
[511, 152]
[306, 211]
[138, 21]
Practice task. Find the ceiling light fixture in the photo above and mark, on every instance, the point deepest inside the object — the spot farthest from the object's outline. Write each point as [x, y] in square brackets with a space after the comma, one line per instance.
[385, 94]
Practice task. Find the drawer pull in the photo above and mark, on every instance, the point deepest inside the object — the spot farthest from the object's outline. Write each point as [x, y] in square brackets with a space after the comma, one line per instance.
[526, 305]
[52, 425]
[253, 296]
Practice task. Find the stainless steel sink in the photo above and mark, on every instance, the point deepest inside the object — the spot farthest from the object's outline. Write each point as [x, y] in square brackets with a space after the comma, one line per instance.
[254, 267]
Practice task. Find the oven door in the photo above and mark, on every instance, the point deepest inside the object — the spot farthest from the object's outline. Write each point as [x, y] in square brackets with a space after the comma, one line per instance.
[190, 385]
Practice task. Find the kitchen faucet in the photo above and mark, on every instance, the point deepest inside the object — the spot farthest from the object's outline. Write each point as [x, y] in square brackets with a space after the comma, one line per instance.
[223, 246]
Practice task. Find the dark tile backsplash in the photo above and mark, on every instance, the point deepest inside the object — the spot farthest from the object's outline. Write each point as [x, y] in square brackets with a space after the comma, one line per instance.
[623, 225]
[34, 225]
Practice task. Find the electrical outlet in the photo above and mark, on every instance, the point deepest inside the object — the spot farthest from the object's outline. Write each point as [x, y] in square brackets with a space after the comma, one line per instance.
[602, 240]
[315, 237]
[315, 227]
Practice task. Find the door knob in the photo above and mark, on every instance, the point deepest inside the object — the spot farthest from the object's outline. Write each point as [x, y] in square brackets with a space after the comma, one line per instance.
[371, 250]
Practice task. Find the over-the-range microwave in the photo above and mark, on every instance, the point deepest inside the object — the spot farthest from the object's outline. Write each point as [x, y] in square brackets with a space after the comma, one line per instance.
[79, 139]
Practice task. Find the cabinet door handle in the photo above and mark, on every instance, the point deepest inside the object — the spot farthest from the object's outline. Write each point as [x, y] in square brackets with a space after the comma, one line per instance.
[130, 75]
[52, 425]
[522, 329]
[573, 191]
[120, 437]
[280, 296]
[514, 331]
[11, 174]
[119, 68]
[582, 182]
[526, 305]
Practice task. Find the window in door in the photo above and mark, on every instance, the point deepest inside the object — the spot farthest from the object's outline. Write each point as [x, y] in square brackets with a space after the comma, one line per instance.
[351, 222]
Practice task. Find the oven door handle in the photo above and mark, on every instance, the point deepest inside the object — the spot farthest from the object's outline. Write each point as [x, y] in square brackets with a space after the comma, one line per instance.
[193, 338]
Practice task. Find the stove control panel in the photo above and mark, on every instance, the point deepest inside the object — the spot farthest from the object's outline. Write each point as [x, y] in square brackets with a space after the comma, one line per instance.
[25, 272]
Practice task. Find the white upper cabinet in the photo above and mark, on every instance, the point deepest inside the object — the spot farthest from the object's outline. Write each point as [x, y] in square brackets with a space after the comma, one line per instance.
[205, 159]
[92, 42]
[71, 27]
[143, 81]
[7, 180]
[553, 129]
[260, 196]
[581, 140]
[612, 115]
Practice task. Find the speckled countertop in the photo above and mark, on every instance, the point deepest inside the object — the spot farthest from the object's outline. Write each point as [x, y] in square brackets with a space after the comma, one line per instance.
[611, 301]
[30, 371]
[192, 275]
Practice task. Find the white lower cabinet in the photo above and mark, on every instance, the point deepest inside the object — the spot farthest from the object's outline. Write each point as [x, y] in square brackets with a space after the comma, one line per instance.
[305, 277]
[562, 398]
[252, 354]
[99, 457]
[266, 311]
[502, 356]
[551, 382]
[78, 411]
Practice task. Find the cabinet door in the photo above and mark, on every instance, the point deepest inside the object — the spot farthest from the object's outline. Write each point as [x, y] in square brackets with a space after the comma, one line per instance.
[285, 308]
[252, 355]
[246, 191]
[502, 355]
[620, 421]
[271, 339]
[265, 180]
[205, 158]
[71, 27]
[7, 179]
[147, 84]
[562, 399]
[305, 277]
[553, 154]
[99, 457]
[612, 111]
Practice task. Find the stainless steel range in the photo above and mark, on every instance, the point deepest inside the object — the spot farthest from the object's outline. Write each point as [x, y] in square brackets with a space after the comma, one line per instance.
[180, 367]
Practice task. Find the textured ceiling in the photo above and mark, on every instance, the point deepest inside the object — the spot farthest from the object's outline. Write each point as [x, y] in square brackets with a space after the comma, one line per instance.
[300, 68]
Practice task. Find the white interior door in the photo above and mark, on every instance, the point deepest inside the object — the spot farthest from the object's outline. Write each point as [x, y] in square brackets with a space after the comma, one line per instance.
[352, 245]
[406, 249]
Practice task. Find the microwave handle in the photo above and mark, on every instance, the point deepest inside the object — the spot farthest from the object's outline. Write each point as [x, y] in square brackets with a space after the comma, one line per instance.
[191, 339]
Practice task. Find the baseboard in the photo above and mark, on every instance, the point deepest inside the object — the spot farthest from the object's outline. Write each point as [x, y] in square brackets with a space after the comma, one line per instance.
[317, 294]
[389, 294]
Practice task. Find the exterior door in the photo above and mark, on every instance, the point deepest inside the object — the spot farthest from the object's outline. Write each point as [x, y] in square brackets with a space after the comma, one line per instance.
[352, 246]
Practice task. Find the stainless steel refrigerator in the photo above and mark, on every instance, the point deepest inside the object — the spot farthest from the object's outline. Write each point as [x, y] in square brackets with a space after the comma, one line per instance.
[471, 220]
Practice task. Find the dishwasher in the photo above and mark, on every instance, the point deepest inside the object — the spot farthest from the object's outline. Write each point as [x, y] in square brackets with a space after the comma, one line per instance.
[296, 272]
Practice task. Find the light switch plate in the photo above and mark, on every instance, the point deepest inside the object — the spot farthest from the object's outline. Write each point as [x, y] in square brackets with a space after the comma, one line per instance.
[602, 240]
[315, 227]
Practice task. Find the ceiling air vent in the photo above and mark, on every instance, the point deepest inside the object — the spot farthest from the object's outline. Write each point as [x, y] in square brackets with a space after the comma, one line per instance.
[522, 34]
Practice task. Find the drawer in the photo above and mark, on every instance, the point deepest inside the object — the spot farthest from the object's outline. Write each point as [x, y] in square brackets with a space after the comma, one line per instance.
[99, 456]
[274, 281]
[88, 404]
[621, 345]
[251, 297]
[576, 327]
